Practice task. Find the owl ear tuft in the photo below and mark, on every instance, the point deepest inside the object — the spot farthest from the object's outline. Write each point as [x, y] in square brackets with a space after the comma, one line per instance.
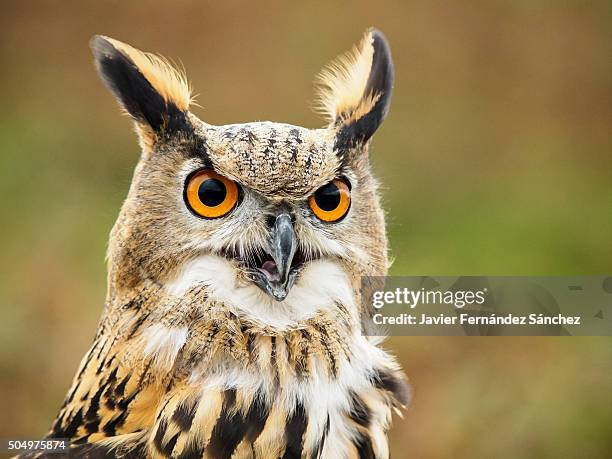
[354, 91]
[150, 90]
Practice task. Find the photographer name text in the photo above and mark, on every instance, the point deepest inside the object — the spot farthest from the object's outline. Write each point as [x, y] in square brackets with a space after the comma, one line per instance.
[470, 319]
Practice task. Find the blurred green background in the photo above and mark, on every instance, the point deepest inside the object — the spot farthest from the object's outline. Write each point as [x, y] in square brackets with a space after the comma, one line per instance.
[496, 159]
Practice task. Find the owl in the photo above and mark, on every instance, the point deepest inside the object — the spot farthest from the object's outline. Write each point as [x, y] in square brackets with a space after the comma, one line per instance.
[233, 322]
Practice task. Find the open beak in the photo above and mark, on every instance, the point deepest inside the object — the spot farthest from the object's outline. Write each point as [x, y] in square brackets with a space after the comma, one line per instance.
[275, 276]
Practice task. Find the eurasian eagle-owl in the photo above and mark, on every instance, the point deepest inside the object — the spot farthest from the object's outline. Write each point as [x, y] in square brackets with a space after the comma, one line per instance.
[233, 320]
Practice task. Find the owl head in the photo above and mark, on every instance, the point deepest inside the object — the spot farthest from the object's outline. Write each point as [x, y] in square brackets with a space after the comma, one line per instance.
[265, 214]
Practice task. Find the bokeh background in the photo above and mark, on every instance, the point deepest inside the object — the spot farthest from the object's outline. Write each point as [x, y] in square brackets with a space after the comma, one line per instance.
[496, 159]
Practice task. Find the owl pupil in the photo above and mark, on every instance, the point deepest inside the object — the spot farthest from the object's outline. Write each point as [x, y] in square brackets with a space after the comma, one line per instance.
[212, 192]
[328, 197]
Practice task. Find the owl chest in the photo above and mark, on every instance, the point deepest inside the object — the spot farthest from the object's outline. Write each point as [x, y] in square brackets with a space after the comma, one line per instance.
[272, 412]
[269, 421]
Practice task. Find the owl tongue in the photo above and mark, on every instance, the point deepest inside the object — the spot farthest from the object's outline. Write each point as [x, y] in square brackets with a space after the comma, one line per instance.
[270, 269]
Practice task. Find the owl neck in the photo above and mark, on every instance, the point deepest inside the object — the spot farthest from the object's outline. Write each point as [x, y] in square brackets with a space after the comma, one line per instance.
[189, 337]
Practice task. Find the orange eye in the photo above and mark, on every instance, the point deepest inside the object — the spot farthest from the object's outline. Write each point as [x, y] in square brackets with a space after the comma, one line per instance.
[331, 202]
[210, 195]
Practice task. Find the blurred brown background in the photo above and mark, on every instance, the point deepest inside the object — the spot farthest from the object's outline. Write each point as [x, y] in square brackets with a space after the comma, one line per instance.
[495, 159]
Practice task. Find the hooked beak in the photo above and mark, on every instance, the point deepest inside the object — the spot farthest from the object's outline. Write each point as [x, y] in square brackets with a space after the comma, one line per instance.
[275, 276]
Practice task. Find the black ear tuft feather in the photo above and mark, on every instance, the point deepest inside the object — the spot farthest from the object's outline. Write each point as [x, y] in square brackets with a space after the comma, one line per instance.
[380, 82]
[354, 91]
[133, 90]
[379, 88]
